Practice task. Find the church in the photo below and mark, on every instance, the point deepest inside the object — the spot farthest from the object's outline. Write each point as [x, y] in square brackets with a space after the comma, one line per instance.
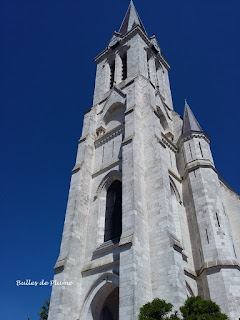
[148, 214]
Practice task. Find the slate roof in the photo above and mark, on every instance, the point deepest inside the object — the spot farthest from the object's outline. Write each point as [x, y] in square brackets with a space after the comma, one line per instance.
[190, 123]
[130, 20]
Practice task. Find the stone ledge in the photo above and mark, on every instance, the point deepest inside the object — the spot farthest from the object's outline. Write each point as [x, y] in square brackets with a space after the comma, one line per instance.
[107, 262]
[77, 167]
[107, 246]
[109, 135]
[126, 238]
[184, 255]
[176, 244]
[198, 163]
[109, 166]
[127, 140]
[127, 82]
[169, 143]
[82, 139]
[88, 110]
[60, 264]
[129, 34]
[192, 134]
[216, 264]
[128, 111]
[190, 273]
[174, 175]
[159, 141]
[97, 266]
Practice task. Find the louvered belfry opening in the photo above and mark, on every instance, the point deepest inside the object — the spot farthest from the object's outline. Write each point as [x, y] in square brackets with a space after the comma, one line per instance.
[113, 217]
[124, 66]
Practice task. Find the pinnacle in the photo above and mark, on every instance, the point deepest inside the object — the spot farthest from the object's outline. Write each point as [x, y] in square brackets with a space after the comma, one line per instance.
[130, 20]
[190, 123]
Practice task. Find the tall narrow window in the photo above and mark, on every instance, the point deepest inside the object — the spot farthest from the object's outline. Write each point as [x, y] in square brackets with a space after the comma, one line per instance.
[124, 66]
[113, 217]
[148, 65]
[157, 64]
[235, 254]
[112, 73]
[217, 220]
[207, 236]
[190, 151]
[200, 149]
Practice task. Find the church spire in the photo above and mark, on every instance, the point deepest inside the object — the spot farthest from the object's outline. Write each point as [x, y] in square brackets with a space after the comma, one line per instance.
[190, 123]
[130, 20]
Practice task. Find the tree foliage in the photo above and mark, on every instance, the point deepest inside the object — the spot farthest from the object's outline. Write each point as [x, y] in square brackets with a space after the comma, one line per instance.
[195, 308]
[157, 310]
[44, 312]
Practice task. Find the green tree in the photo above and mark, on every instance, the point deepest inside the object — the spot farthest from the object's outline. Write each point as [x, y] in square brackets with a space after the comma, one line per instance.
[195, 308]
[157, 310]
[44, 312]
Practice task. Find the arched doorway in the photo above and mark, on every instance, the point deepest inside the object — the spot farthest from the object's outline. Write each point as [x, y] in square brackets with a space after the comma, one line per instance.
[110, 309]
[102, 302]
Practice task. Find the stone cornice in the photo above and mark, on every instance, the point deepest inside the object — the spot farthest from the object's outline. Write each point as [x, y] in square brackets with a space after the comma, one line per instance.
[176, 245]
[218, 264]
[190, 273]
[98, 266]
[192, 134]
[127, 140]
[77, 167]
[169, 143]
[128, 35]
[109, 135]
[109, 166]
[106, 246]
[129, 110]
[82, 139]
[212, 266]
[125, 83]
[88, 110]
[60, 264]
[174, 175]
[196, 164]
[107, 262]
[160, 141]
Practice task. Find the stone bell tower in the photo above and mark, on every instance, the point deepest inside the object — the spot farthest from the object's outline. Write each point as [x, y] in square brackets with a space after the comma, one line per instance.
[147, 215]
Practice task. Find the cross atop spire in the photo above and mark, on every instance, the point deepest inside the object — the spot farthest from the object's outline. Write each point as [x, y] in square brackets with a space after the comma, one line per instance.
[190, 123]
[130, 20]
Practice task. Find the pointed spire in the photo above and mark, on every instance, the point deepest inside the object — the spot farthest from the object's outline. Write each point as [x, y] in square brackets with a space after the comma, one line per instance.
[130, 20]
[190, 123]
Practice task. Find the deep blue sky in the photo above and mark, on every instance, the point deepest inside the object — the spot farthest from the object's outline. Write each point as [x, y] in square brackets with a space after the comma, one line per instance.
[47, 81]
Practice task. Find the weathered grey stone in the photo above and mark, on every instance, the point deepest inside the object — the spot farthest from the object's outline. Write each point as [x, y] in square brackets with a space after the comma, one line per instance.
[180, 221]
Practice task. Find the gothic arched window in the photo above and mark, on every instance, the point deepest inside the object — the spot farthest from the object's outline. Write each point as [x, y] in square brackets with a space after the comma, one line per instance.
[113, 217]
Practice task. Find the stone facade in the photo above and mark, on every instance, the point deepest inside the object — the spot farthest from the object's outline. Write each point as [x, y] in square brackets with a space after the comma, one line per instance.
[180, 221]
